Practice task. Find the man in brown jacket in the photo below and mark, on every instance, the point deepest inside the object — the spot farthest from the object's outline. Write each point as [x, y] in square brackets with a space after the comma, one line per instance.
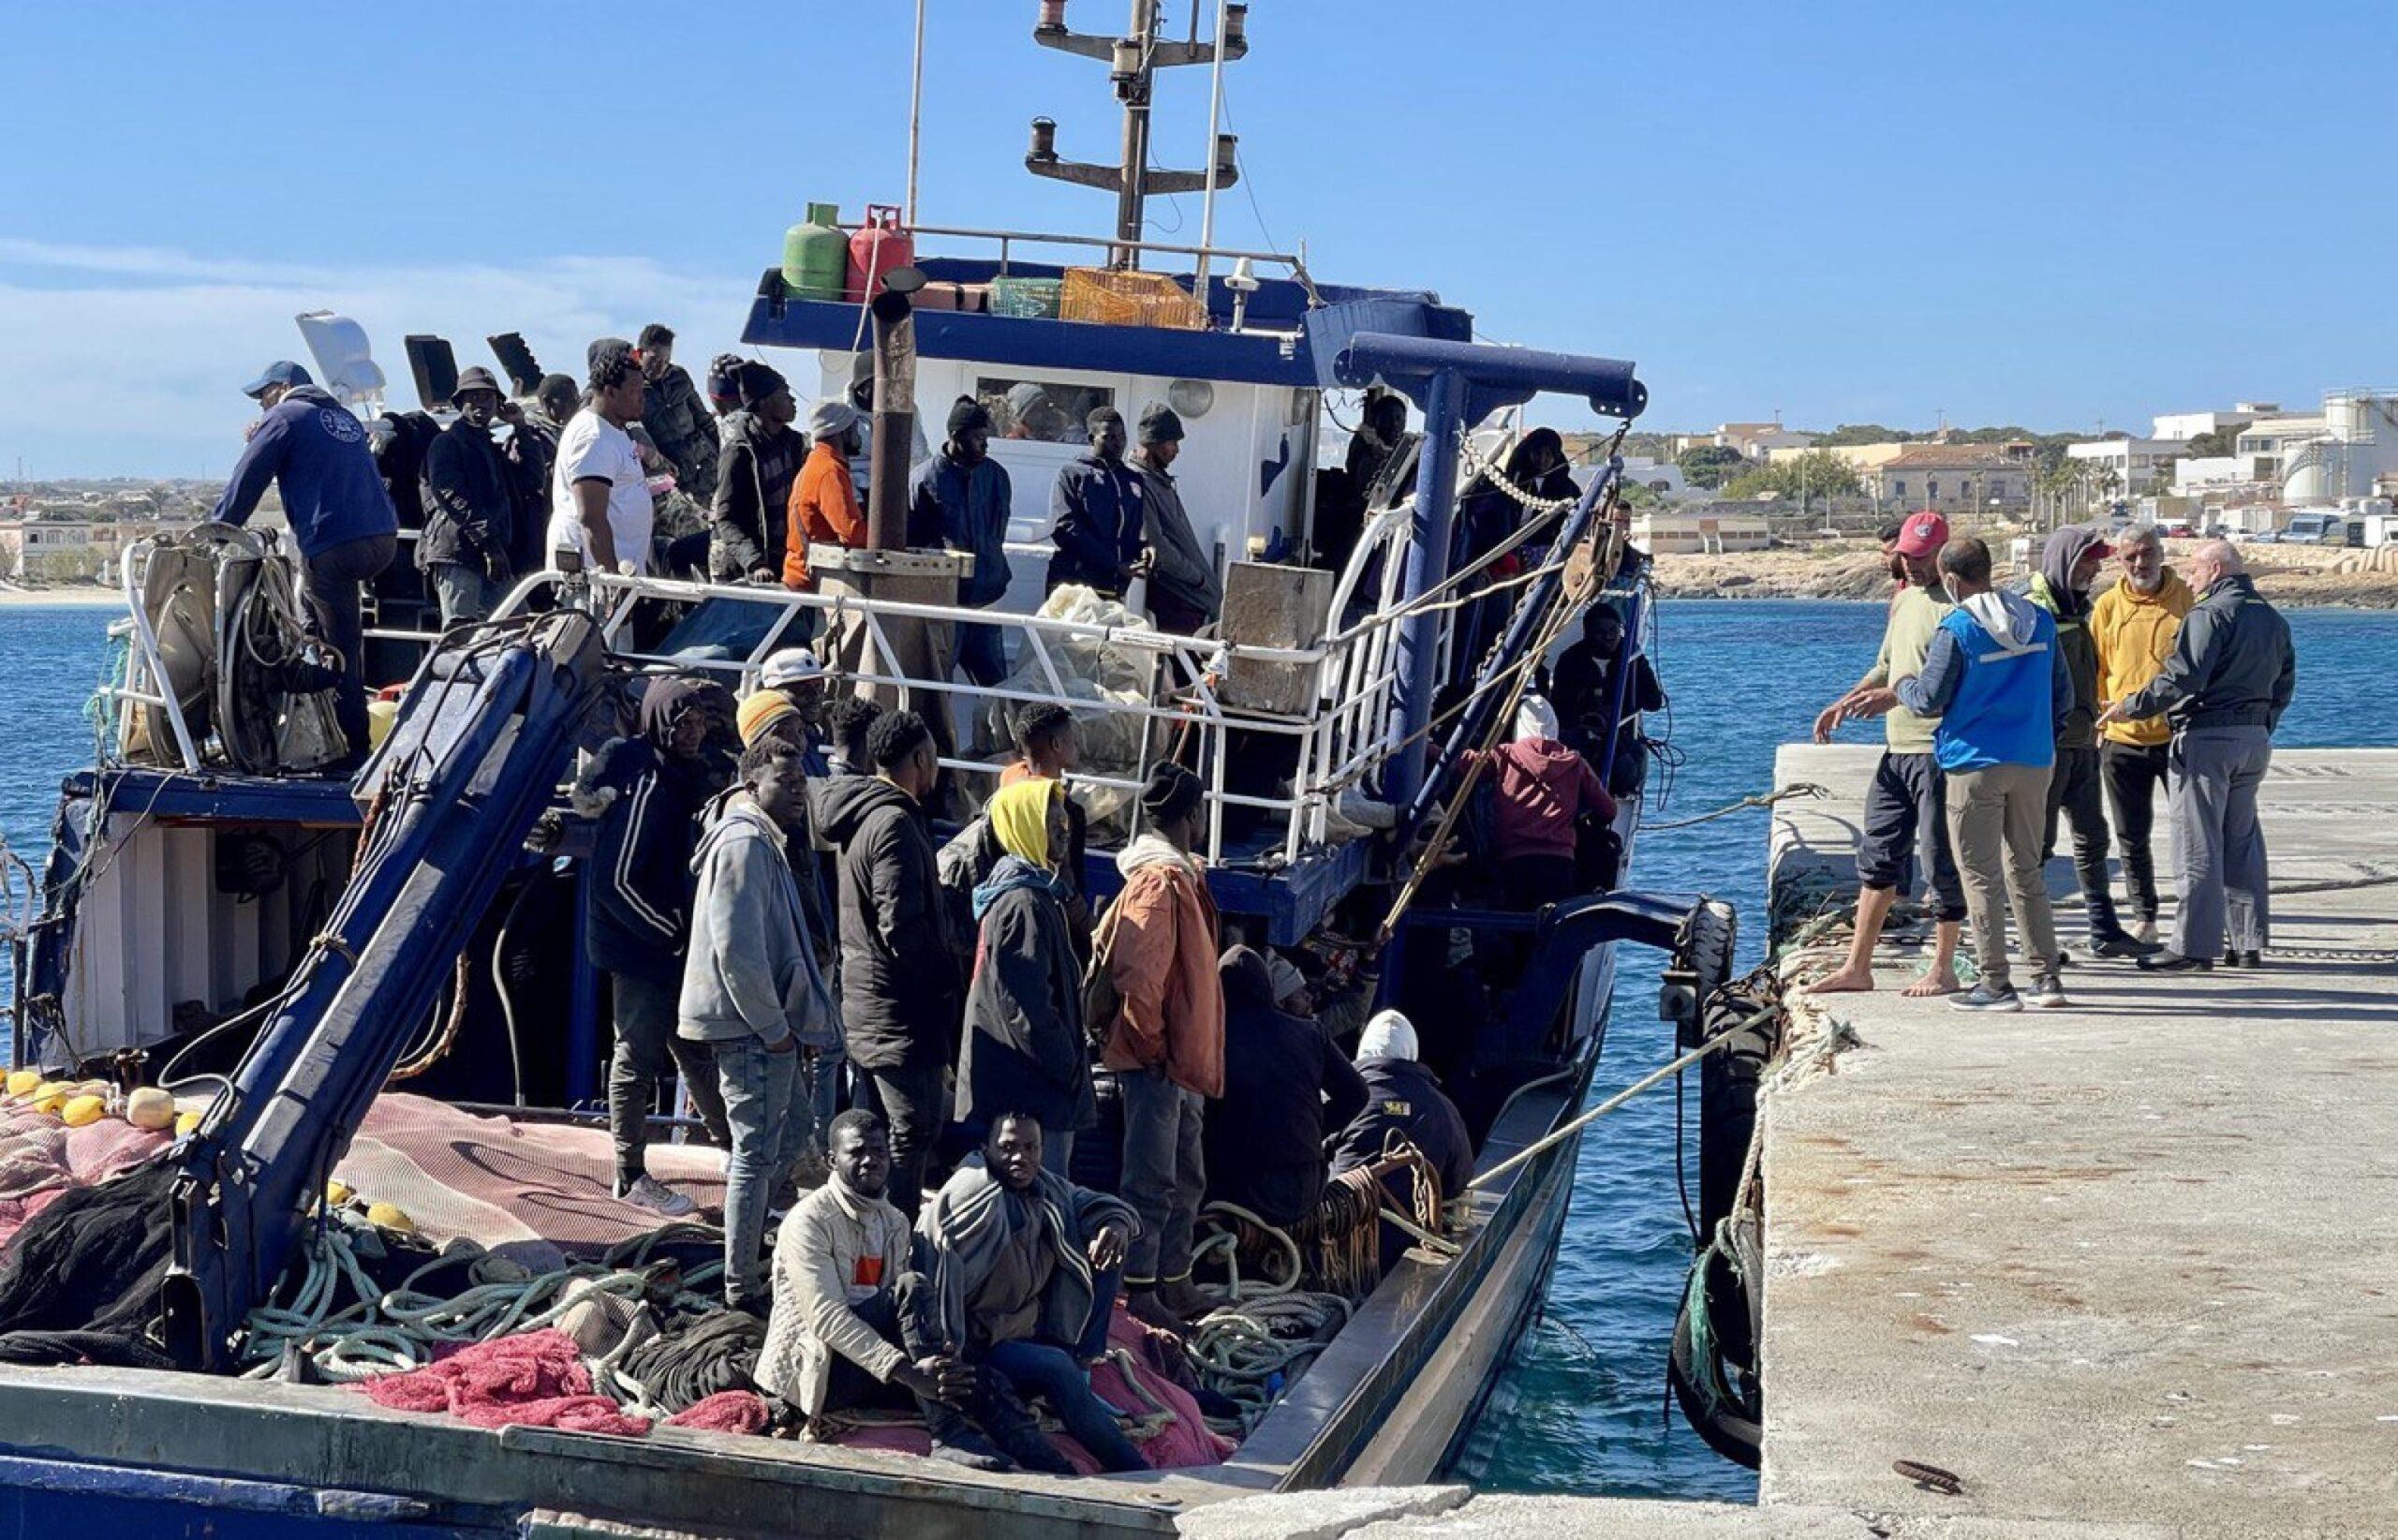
[1168, 1043]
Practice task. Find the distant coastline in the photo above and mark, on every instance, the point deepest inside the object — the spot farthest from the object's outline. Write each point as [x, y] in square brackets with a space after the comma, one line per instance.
[2298, 577]
[79, 596]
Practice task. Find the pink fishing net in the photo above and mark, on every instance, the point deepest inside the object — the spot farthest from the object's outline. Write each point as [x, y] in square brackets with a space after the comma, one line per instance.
[536, 1380]
[41, 1158]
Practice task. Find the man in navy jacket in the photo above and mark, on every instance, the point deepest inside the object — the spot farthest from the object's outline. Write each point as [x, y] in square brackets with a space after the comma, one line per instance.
[1097, 513]
[312, 448]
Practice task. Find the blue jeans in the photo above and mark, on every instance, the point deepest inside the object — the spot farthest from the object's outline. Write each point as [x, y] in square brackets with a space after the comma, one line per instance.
[465, 592]
[820, 1098]
[1056, 1376]
[760, 1090]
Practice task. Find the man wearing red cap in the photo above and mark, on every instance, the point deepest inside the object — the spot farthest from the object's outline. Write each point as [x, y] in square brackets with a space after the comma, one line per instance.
[1906, 805]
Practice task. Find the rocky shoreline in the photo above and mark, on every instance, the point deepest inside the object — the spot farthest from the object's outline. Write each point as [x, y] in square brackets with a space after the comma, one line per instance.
[2301, 578]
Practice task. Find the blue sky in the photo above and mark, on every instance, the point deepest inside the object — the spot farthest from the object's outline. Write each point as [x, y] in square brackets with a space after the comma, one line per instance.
[2046, 212]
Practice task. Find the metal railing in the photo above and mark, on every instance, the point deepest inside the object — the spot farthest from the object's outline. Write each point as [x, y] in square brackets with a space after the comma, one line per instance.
[1007, 240]
[1342, 737]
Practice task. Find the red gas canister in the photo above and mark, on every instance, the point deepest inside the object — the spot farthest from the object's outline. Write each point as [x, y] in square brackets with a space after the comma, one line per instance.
[878, 249]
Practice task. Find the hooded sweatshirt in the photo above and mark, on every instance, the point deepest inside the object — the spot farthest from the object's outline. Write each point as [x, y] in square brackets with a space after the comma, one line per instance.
[2052, 590]
[1995, 679]
[316, 451]
[639, 916]
[1157, 943]
[1285, 1087]
[751, 968]
[1543, 788]
[899, 980]
[1024, 1049]
[2134, 633]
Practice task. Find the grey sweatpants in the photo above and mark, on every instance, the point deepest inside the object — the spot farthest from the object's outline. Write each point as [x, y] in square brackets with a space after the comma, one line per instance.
[2218, 845]
[1165, 1175]
[1997, 816]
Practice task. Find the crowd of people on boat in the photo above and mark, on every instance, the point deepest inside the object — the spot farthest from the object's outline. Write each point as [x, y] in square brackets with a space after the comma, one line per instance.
[2009, 716]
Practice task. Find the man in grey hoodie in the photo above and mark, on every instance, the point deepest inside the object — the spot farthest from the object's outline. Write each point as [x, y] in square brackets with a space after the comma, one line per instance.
[752, 992]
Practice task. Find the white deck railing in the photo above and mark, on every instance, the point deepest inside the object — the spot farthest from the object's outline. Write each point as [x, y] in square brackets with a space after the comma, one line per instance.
[1341, 738]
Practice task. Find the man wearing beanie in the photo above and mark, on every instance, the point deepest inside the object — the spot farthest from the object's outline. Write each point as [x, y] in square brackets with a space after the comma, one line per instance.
[1165, 1036]
[748, 519]
[1185, 593]
[959, 499]
[1095, 512]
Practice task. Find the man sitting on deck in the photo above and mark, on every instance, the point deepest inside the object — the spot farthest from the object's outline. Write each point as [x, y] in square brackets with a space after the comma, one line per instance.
[1906, 804]
[843, 1334]
[1023, 1267]
[1403, 1099]
[1285, 1088]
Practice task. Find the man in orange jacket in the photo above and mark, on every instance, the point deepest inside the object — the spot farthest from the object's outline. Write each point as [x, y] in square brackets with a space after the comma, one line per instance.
[2133, 625]
[1166, 1044]
[824, 500]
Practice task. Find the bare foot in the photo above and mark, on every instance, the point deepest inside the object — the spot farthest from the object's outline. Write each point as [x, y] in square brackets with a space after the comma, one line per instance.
[1931, 984]
[1847, 981]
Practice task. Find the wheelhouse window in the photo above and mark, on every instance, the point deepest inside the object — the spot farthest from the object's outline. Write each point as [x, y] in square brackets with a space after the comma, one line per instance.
[1049, 411]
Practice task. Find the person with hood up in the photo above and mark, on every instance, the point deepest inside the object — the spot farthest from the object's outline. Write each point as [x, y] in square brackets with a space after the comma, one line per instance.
[824, 500]
[1604, 728]
[753, 997]
[2133, 625]
[1023, 1267]
[749, 517]
[959, 499]
[2069, 564]
[469, 497]
[1095, 511]
[314, 452]
[1185, 592]
[1542, 789]
[1024, 1048]
[1285, 1088]
[1155, 951]
[651, 789]
[2223, 690]
[1403, 1099]
[899, 995]
[1995, 677]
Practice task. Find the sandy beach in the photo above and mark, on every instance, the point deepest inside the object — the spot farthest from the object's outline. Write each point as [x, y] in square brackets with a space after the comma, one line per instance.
[79, 596]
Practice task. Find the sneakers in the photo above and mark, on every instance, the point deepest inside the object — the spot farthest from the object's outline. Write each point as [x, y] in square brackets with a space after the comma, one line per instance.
[2122, 945]
[648, 1192]
[1981, 996]
[2173, 962]
[2234, 957]
[2047, 992]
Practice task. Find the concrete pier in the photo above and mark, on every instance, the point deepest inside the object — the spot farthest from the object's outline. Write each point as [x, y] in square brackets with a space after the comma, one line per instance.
[2130, 1262]
[2128, 1270]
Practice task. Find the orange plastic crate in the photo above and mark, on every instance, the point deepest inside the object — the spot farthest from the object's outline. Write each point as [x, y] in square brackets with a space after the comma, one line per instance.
[1112, 298]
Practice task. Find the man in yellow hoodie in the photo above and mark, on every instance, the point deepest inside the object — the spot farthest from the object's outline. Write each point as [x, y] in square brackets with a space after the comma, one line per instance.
[2133, 625]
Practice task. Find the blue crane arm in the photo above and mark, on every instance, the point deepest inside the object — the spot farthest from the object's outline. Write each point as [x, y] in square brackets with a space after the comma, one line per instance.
[476, 754]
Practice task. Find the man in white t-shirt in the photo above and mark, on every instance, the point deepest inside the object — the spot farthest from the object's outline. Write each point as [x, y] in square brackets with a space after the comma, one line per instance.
[600, 503]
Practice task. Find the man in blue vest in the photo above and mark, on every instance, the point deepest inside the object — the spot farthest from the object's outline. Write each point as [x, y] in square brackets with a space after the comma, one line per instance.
[1995, 677]
[310, 446]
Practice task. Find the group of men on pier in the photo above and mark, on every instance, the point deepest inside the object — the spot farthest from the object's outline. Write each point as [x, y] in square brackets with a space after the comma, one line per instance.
[2006, 714]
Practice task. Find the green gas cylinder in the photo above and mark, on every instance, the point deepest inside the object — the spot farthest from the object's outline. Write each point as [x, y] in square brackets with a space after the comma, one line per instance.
[816, 254]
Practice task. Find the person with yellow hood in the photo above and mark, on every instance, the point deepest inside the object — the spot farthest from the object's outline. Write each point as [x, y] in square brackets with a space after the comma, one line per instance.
[1024, 1049]
[2134, 625]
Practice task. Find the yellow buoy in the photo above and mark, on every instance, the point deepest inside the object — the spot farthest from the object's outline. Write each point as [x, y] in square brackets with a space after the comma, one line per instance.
[187, 1122]
[23, 1082]
[391, 1217]
[150, 1108]
[338, 1193]
[82, 1111]
[50, 1096]
[100, 1088]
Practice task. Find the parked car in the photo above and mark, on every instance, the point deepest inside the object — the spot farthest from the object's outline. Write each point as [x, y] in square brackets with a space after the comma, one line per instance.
[2316, 529]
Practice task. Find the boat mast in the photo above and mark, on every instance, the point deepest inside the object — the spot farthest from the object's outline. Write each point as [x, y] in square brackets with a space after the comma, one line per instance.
[1133, 60]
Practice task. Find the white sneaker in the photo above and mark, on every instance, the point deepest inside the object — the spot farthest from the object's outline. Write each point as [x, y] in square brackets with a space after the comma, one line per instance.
[2047, 992]
[648, 1192]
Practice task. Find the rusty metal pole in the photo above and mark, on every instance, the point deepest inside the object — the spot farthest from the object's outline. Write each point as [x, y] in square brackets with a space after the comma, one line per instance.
[895, 410]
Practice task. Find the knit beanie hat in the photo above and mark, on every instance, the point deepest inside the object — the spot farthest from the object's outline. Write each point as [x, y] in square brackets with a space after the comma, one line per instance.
[1170, 792]
[760, 711]
[968, 415]
[757, 381]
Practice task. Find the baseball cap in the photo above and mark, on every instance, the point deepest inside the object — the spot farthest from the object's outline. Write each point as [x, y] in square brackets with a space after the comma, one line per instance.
[1923, 534]
[281, 372]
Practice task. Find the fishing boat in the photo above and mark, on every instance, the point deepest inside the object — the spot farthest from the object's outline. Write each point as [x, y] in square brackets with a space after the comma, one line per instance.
[380, 980]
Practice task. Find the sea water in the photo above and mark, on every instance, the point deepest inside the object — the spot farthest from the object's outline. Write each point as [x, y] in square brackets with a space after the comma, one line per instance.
[1584, 1406]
